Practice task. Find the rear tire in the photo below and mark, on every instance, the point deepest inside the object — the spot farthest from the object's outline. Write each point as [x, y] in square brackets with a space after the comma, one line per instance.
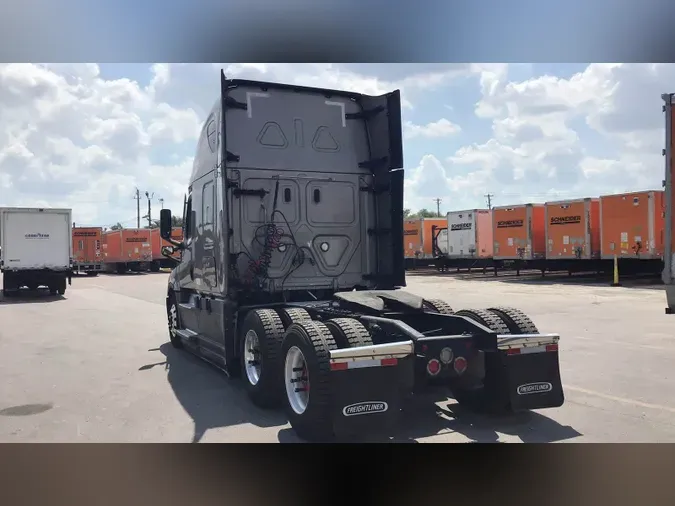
[349, 333]
[477, 398]
[306, 351]
[485, 318]
[262, 334]
[154, 267]
[290, 315]
[516, 321]
[437, 306]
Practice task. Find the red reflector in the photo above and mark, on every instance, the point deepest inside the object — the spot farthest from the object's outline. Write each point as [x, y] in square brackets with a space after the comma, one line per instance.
[388, 361]
[433, 367]
[339, 366]
[460, 365]
[513, 351]
[551, 347]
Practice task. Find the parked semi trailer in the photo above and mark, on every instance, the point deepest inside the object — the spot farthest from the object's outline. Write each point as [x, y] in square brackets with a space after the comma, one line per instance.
[87, 256]
[668, 273]
[36, 249]
[292, 271]
[127, 249]
[157, 243]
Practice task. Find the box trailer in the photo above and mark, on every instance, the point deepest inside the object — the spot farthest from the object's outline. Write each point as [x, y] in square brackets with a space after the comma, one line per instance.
[87, 256]
[127, 249]
[519, 232]
[470, 234]
[632, 225]
[36, 249]
[412, 238]
[573, 229]
[157, 243]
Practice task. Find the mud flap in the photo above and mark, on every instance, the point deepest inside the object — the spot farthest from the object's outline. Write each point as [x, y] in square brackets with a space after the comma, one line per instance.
[368, 399]
[532, 377]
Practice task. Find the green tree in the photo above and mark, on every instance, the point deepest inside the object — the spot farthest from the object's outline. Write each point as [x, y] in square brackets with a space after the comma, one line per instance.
[117, 226]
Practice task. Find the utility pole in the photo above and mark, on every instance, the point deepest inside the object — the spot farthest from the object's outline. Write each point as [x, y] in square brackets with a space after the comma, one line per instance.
[138, 208]
[489, 200]
[149, 216]
[438, 206]
[161, 202]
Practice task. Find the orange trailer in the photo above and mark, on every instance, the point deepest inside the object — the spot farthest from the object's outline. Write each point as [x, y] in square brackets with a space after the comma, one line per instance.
[412, 238]
[127, 249]
[632, 225]
[573, 229]
[519, 232]
[87, 250]
[159, 260]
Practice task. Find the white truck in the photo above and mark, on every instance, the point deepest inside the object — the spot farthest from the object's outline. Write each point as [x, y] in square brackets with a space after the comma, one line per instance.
[35, 249]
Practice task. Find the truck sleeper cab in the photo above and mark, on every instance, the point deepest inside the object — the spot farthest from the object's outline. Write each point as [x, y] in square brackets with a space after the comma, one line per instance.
[292, 261]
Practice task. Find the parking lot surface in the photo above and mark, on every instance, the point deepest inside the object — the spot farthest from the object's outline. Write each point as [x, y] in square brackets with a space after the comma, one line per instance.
[95, 366]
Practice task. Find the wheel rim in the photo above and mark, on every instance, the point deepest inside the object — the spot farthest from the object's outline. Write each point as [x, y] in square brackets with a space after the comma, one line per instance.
[173, 320]
[252, 357]
[296, 379]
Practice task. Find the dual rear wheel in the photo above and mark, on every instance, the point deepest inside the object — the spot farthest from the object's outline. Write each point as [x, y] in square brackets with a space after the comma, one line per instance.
[286, 363]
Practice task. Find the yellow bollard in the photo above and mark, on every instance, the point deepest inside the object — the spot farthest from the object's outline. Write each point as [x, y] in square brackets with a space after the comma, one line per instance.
[616, 272]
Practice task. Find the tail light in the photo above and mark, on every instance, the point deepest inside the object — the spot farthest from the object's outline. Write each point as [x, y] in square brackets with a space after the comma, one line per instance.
[433, 367]
[460, 365]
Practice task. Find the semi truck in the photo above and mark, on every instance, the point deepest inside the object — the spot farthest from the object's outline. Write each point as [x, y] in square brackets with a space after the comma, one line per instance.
[35, 249]
[291, 275]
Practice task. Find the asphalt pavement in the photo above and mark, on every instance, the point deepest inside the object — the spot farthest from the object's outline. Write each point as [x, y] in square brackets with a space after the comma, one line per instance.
[95, 366]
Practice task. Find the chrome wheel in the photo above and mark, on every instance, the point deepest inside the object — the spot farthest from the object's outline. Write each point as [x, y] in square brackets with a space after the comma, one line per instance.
[296, 379]
[252, 357]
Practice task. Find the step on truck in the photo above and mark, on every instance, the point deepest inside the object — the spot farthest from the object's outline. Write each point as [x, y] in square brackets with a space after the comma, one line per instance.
[292, 269]
[36, 249]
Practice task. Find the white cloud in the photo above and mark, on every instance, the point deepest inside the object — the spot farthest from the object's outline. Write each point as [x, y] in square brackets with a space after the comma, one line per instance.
[70, 137]
[433, 130]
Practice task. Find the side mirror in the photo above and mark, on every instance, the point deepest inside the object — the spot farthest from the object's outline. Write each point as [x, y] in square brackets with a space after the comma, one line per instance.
[165, 224]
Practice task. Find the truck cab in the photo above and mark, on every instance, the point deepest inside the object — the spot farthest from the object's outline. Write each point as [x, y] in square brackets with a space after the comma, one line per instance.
[292, 260]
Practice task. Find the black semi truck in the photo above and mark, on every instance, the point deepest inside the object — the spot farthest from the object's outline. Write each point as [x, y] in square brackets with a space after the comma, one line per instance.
[291, 271]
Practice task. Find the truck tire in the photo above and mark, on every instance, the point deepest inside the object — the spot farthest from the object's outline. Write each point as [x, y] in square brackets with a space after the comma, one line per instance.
[262, 334]
[172, 315]
[61, 286]
[477, 398]
[306, 379]
[349, 333]
[486, 318]
[437, 306]
[290, 315]
[154, 266]
[517, 321]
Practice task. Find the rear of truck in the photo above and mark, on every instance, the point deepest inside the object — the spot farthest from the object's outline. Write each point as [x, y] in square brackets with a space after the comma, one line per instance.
[313, 207]
[36, 249]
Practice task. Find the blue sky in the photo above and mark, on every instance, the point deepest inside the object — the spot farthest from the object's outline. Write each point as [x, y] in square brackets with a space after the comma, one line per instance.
[87, 136]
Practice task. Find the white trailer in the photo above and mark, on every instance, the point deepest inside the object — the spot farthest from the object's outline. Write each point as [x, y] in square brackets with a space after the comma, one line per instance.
[36, 249]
